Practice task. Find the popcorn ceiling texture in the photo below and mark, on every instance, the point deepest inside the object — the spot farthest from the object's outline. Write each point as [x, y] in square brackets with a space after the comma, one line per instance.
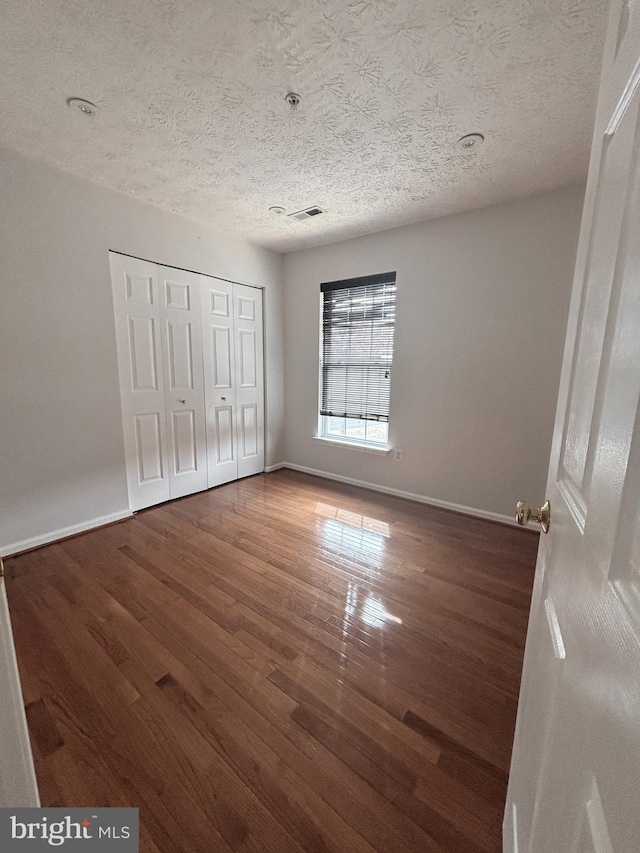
[193, 117]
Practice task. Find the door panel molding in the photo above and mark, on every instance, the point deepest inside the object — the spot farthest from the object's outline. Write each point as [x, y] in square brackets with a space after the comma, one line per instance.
[149, 447]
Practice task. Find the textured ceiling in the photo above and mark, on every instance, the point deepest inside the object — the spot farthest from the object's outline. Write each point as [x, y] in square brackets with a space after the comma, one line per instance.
[193, 117]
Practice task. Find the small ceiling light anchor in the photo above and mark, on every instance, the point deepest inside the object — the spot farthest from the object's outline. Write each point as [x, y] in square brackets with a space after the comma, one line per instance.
[276, 210]
[85, 107]
[293, 100]
[470, 143]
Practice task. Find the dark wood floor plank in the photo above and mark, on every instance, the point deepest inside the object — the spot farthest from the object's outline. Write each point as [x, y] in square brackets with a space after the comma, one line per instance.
[460, 762]
[279, 665]
[89, 770]
[448, 795]
[43, 729]
[370, 815]
[303, 814]
[359, 719]
[473, 639]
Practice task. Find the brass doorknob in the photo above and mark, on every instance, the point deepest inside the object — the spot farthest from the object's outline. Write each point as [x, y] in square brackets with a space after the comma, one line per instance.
[543, 515]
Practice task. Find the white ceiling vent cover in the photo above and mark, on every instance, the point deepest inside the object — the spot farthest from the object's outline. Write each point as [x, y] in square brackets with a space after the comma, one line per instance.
[307, 214]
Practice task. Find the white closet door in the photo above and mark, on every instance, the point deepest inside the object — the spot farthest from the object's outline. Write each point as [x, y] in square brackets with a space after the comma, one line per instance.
[138, 313]
[234, 379]
[183, 380]
[219, 373]
[247, 318]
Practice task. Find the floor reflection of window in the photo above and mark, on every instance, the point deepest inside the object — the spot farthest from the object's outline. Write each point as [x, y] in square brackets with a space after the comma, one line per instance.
[372, 611]
[353, 541]
[361, 536]
[355, 519]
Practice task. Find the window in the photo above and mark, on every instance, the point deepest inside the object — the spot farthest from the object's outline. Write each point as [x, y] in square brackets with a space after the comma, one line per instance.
[358, 317]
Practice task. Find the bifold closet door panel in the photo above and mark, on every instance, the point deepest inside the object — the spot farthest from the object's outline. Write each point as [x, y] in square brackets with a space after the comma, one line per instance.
[234, 379]
[249, 362]
[219, 377]
[138, 318]
[183, 380]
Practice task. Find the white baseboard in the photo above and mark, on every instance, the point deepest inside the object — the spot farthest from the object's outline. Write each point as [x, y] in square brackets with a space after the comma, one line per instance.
[400, 493]
[63, 532]
[276, 467]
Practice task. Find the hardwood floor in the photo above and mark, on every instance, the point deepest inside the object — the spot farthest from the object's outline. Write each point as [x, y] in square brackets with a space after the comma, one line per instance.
[281, 664]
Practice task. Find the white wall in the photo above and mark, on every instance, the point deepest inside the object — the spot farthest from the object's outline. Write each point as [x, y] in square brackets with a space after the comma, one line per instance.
[60, 422]
[481, 313]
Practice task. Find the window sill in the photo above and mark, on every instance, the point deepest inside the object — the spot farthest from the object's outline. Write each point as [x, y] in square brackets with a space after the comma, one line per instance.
[378, 450]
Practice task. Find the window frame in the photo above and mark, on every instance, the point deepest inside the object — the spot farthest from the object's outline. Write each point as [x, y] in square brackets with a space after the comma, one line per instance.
[343, 440]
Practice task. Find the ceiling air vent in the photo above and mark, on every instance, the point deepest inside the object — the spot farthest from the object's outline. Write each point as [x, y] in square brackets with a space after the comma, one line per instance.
[307, 214]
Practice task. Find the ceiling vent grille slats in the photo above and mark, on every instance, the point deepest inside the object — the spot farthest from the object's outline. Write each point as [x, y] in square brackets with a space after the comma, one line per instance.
[307, 213]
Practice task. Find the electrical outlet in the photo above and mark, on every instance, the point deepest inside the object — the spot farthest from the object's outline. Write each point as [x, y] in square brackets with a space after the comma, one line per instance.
[397, 455]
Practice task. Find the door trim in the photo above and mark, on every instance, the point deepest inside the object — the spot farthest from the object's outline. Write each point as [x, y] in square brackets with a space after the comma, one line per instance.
[185, 269]
[18, 785]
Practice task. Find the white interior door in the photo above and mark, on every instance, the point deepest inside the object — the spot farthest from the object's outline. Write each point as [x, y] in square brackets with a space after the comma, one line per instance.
[138, 312]
[576, 763]
[219, 372]
[183, 381]
[159, 339]
[247, 318]
[234, 379]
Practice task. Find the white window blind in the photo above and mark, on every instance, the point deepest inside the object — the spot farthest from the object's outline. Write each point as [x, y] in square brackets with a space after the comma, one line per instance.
[358, 318]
